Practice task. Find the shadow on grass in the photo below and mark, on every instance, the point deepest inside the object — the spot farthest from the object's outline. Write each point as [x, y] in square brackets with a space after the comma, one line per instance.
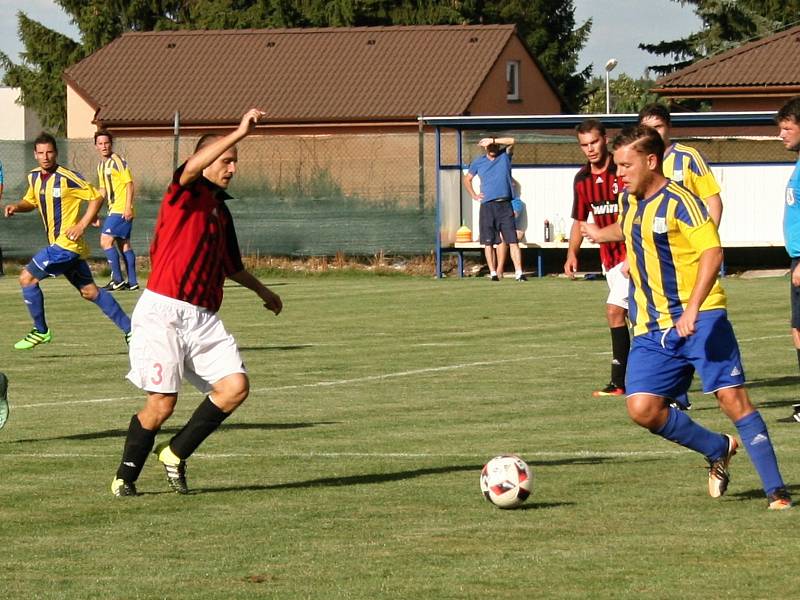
[294, 347]
[540, 505]
[121, 433]
[579, 460]
[374, 478]
[40, 356]
[124, 351]
[758, 493]
[786, 380]
[346, 481]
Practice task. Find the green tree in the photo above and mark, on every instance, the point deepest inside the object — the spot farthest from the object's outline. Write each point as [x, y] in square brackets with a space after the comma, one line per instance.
[726, 24]
[546, 26]
[48, 53]
[628, 95]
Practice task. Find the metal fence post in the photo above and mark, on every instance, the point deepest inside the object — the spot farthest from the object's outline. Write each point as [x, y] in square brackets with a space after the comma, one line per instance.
[176, 140]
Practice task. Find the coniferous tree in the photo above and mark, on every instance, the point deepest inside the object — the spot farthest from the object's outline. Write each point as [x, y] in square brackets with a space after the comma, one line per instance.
[547, 26]
[726, 24]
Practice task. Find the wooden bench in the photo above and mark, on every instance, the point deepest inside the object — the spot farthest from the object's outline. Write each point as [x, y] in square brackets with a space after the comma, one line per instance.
[461, 247]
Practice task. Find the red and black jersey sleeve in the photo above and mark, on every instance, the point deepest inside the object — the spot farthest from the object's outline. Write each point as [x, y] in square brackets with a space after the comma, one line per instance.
[194, 247]
[597, 194]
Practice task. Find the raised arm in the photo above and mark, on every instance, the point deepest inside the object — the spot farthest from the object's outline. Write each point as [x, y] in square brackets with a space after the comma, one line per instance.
[508, 142]
[208, 154]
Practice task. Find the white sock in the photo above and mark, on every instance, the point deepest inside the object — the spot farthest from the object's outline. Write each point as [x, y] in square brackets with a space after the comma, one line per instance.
[493, 273]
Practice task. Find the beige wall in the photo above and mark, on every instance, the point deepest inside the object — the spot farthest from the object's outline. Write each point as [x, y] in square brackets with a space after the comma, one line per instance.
[16, 121]
[536, 97]
[79, 116]
[751, 103]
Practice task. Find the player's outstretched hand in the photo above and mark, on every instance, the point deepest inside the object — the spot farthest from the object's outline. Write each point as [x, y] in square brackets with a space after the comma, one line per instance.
[9, 210]
[272, 302]
[250, 119]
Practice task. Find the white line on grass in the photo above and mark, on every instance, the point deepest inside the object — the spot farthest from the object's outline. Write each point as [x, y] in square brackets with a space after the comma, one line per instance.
[365, 379]
[335, 382]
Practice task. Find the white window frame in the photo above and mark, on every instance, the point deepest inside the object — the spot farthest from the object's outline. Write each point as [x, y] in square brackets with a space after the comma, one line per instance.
[512, 80]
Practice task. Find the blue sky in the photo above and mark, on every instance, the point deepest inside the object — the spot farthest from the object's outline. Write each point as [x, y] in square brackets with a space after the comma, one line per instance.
[618, 26]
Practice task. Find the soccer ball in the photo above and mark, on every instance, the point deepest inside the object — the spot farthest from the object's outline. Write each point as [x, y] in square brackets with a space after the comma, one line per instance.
[506, 481]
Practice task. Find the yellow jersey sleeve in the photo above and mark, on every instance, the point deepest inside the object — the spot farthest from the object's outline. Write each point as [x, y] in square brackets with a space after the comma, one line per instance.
[30, 194]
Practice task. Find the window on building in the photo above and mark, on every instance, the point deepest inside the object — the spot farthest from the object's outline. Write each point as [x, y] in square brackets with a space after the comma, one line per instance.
[512, 80]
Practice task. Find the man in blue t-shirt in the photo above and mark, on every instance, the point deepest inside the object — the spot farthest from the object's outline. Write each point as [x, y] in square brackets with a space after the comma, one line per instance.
[788, 120]
[496, 214]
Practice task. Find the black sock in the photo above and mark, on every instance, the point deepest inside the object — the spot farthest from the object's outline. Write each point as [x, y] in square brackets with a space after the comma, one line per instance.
[138, 445]
[620, 347]
[206, 418]
[798, 356]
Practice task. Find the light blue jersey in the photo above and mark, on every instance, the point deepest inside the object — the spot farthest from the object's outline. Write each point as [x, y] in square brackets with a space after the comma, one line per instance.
[495, 176]
[791, 214]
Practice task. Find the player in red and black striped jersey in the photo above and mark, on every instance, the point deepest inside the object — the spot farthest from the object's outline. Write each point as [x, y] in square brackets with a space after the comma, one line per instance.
[596, 189]
[176, 331]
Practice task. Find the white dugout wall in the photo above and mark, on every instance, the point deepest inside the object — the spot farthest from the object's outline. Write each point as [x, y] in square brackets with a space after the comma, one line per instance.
[753, 192]
[752, 196]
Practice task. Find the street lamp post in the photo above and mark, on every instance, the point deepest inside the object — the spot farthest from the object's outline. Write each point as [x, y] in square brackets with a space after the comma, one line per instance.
[612, 62]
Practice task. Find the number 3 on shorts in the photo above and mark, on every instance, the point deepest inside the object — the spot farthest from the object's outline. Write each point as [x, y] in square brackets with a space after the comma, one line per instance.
[159, 377]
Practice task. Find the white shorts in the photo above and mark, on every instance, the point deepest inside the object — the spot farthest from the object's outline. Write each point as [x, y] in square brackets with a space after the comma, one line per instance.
[618, 287]
[172, 339]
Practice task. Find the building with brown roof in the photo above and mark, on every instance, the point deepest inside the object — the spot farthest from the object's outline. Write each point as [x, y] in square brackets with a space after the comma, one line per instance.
[759, 75]
[314, 80]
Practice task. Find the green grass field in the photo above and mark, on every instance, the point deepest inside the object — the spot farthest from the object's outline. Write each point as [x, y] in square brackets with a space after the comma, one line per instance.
[352, 470]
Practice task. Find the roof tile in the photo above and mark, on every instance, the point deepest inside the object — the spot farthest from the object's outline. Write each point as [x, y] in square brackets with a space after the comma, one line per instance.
[295, 75]
[770, 61]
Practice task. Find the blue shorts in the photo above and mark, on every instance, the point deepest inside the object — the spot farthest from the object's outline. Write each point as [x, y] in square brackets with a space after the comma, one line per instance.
[794, 297]
[496, 216]
[663, 363]
[53, 261]
[117, 227]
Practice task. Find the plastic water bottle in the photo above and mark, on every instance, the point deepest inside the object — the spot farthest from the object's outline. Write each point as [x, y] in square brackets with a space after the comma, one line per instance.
[546, 230]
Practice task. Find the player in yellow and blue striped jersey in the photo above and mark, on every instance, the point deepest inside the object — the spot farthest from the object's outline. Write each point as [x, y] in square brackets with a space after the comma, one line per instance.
[58, 192]
[116, 186]
[686, 166]
[680, 324]
[683, 163]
